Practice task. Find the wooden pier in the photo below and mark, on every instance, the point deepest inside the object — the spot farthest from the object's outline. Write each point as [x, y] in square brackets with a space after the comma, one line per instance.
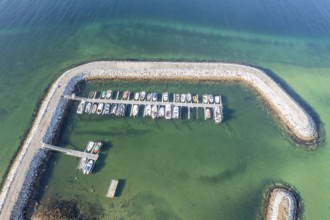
[70, 152]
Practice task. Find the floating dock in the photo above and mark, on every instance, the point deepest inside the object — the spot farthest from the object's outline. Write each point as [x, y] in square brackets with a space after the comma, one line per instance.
[143, 103]
[70, 152]
[112, 188]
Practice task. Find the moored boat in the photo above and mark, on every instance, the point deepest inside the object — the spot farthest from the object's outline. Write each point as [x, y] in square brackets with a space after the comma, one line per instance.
[149, 96]
[82, 163]
[100, 108]
[88, 167]
[113, 109]
[135, 110]
[148, 110]
[81, 107]
[188, 97]
[103, 94]
[195, 98]
[90, 146]
[142, 95]
[175, 114]
[177, 97]
[154, 111]
[211, 98]
[217, 99]
[207, 113]
[136, 96]
[205, 99]
[217, 114]
[168, 111]
[154, 96]
[161, 112]
[88, 107]
[183, 98]
[97, 147]
[106, 109]
[121, 110]
[125, 95]
[165, 96]
[109, 93]
[94, 108]
[91, 94]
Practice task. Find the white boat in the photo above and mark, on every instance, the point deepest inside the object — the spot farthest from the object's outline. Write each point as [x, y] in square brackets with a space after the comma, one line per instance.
[183, 98]
[89, 146]
[207, 114]
[188, 97]
[177, 97]
[154, 96]
[217, 114]
[205, 99]
[211, 98]
[106, 109]
[81, 107]
[175, 114]
[88, 167]
[113, 109]
[161, 112]
[135, 110]
[100, 108]
[88, 107]
[154, 111]
[217, 99]
[82, 163]
[148, 110]
[136, 96]
[94, 108]
[142, 95]
[109, 93]
[165, 96]
[168, 111]
[149, 96]
[103, 94]
[121, 110]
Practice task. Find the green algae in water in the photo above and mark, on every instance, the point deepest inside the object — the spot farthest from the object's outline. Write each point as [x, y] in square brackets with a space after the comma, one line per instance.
[175, 169]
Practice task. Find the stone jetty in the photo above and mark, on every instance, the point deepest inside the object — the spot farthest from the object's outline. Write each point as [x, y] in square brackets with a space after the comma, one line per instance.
[19, 181]
[281, 204]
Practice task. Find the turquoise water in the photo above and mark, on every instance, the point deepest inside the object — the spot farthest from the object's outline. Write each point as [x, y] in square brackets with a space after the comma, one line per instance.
[39, 39]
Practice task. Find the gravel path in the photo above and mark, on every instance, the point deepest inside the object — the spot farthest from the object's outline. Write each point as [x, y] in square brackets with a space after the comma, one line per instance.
[14, 196]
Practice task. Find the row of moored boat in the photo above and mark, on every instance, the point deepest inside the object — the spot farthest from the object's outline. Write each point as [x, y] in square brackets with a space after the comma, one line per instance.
[167, 109]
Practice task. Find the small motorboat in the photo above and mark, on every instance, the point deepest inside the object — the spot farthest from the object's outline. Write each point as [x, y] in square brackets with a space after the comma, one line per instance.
[81, 107]
[148, 110]
[168, 111]
[154, 96]
[217, 114]
[142, 95]
[165, 97]
[205, 99]
[211, 98]
[175, 114]
[88, 108]
[135, 110]
[149, 96]
[188, 97]
[177, 97]
[136, 96]
[217, 99]
[183, 98]
[103, 94]
[94, 108]
[113, 109]
[90, 146]
[161, 112]
[125, 95]
[100, 108]
[109, 93]
[207, 113]
[88, 167]
[195, 98]
[154, 111]
[106, 109]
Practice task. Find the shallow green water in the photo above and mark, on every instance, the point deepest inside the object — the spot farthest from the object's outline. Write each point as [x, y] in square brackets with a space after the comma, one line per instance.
[183, 169]
[38, 39]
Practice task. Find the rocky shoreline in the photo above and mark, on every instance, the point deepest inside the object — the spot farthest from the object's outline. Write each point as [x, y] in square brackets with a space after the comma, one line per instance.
[19, 182]
[281, 203]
